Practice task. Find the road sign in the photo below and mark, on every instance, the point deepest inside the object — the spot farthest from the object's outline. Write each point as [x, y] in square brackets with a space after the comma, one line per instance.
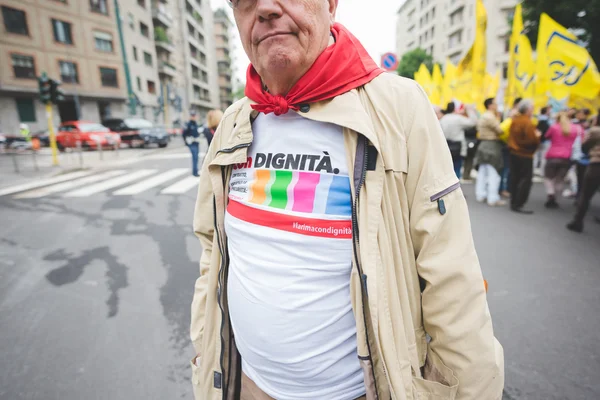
[389, 62]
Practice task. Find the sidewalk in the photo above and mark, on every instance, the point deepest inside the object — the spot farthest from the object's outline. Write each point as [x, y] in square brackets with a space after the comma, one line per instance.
[70, 161]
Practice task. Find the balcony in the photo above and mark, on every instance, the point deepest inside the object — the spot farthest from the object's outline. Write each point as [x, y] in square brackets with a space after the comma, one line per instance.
[455, 5]
[161, 15]
[165, 68]
[162, 41]
[225, 71]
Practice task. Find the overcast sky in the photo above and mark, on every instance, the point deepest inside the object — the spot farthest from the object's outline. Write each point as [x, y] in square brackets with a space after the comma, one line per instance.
[373, 22]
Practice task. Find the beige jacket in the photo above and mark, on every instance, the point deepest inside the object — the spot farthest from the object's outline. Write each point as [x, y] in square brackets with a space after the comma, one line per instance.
[488, 127]
[415, 269]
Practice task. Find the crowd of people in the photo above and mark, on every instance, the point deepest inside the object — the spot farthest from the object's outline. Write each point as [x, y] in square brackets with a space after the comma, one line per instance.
[506, 150]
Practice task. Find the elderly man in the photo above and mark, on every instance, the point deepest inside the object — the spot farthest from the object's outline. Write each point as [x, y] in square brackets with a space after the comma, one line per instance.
[335, 233]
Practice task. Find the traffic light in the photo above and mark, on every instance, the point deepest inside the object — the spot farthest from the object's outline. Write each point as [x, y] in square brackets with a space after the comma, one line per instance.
[45, 88]
[56, 94]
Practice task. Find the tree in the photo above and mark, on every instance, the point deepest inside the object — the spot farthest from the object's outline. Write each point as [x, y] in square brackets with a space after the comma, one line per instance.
[581, 16]
[412, 60]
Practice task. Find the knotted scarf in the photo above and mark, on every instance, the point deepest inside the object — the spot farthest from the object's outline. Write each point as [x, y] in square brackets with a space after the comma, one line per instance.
[341, 67]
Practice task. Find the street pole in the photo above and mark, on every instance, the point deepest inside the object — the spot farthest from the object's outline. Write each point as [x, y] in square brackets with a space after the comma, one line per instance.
[166, 104]
[130, 95]
[51, 133]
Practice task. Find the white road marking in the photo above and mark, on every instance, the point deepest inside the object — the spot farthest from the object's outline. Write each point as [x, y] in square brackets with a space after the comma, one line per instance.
[182, 186]
[151, 182]
[43, 182]
[63, 187]
[110, 184]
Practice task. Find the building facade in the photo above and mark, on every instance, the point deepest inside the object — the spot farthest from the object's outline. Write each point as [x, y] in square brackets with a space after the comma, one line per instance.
[75, 42]
[446, 29]
[140, 22]
[195, 79]
[224, 51]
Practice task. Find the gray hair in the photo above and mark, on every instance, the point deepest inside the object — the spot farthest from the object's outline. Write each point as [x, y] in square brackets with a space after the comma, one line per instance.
[525, 106]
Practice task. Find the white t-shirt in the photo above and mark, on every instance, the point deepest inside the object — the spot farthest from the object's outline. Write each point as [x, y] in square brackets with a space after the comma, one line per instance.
[289, 231]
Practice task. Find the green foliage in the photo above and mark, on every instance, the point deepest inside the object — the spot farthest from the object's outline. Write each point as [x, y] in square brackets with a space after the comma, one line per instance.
[160, 35]
[412, 60]
[580, 15]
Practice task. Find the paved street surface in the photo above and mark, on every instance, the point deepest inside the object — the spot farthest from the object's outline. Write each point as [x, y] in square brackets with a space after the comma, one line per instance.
[97, 271]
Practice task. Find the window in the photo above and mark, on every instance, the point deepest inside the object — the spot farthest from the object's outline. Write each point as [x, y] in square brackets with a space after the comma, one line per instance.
[104, 41]
[108, 77]
[504, 70]
[135, 56]
[201, 38]
[26, 110]
[15, 21]
[507, 44]
[204, 77]
[144, 30]
[23, 66]
[151, 87]
[432, 31]
[195, 72]
[148, 59]
[139, 84]
[142, 3]
[68, 72]
[202, 58]
[431, 50]
[131, 20]
[433, 13]
[99, 6]
[62, 31]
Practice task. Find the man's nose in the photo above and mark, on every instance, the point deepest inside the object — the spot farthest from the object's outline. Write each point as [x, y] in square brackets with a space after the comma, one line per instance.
[268, 9]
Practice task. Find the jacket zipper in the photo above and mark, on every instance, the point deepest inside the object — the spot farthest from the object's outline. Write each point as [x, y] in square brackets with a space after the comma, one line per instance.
[444, 192]
[219, 289]
[355, 244]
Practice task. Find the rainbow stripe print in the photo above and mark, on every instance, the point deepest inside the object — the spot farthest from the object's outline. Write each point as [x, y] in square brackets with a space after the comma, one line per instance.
[304, 192]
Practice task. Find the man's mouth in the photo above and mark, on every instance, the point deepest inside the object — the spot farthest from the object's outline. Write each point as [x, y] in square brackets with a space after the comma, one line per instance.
[272, 34]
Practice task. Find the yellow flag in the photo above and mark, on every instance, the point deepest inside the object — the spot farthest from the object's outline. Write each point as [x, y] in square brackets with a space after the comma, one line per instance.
[423, 78]
[464, 78]
[437, 81]
[492, 84]
[564, 66]
[521, 67]
[479, 54]
[450, 83]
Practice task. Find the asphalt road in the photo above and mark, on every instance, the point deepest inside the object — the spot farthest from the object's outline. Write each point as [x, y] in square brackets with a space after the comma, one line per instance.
[95, 292]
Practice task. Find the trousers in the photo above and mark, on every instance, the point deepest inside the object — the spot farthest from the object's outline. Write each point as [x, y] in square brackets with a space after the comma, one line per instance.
[195, 150]
[488, 183]
[589, 186]
[521, 175]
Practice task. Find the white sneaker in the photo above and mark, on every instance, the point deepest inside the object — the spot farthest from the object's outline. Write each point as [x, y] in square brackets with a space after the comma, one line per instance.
[499, 203]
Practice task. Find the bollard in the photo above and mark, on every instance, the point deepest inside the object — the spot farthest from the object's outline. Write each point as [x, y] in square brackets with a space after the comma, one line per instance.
[35, 164]
[100, 150]
[15, 162]
[80, 154]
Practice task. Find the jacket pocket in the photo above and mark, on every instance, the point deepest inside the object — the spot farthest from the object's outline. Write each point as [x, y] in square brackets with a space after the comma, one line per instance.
[438, 382]
[196, 378]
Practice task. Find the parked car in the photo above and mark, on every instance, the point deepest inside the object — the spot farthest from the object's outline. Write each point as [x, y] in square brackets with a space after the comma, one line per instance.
[138, 131]
[90, 134]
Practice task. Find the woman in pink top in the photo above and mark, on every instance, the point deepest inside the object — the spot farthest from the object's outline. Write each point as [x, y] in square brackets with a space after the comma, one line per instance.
[561, 135]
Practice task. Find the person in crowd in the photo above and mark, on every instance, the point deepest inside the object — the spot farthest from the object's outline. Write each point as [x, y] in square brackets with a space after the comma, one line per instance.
[579, 157]
[523, 141]
[561, 136]
[304, 291]
[582, 117]
[543, 125]
[489, 156]
[191, 138]
[25, 132]
[438, 111]
[505, 176]
[213, 119]
[591, 180]
[454, 125]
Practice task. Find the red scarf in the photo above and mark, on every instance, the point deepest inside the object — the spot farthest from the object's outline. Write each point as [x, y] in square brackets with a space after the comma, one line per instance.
[341, 67]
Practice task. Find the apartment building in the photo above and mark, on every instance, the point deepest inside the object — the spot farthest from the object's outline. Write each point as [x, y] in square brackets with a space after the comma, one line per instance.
[144, 26]
[75, 42]
[446, 29]
[194, 59]
[224, 49]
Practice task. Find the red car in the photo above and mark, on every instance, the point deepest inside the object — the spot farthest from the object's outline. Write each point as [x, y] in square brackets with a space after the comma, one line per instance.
[90, 134]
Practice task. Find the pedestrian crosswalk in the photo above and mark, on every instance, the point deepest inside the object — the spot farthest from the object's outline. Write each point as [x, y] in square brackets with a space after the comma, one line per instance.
[121, 182]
